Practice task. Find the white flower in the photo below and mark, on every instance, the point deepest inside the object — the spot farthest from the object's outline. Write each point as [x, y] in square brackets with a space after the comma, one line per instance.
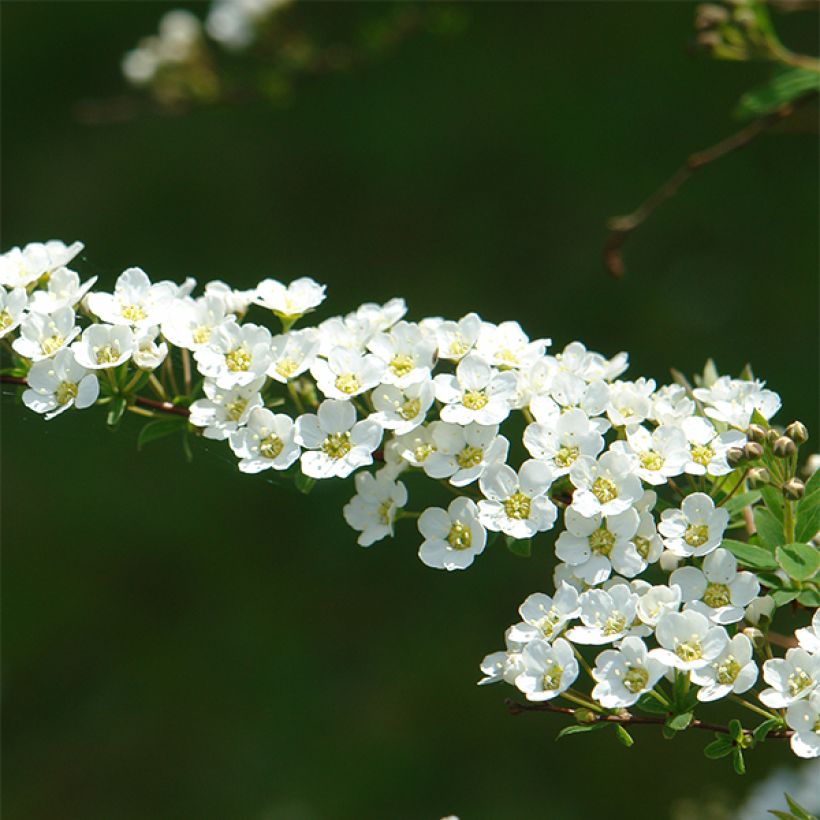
[293, 353]
[289, 302]
[457, 339]
[607, 615]
[688, 640]
[506, 345]
[402, 410]
[135, 301]
[707, 448]
[59, 383]
[235, 301]
[224, 410]
[518, 503]
[418, 445]
[12, 306]
[189, 323]
[148, 355]
[463, 454]
[607, 486]
[762, 608]
[476, 393]
[506, 666]
[804, 718]
[790, 678]
[809, 636]
[645, 547]
[347, 373]
[733, 670]
[733, 401]
[718, 590]
[407, 353]
[452, 537]
[21, 267]
[545, 617]
[372, 511]
[591, 546]
[630, 402]
[42, 335]
[655, 601]
[661, 453]
[561, 442]
[549, 669]
[336, 443]
[267, 441]
[104, 346]
[623, 675]
[671, 405]
[63, 290]
[235, 355]
[696, 528]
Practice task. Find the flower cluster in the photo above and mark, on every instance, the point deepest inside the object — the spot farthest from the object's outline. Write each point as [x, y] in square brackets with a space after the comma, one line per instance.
[678, 505]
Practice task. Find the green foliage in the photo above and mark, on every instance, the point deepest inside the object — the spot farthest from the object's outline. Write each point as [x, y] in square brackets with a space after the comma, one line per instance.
[750, 555]
[796, 811]
[115, 411]
[808, 512]
[800, 561]
[578, 728]
[784, 86]
[520, 547]
[624, 736]
[155, 430]
[769, 529]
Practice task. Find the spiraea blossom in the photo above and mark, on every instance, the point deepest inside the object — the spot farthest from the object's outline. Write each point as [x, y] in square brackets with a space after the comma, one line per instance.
[672, 519]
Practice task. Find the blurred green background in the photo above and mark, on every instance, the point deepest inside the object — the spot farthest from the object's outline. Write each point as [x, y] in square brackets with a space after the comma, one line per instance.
[180, 641]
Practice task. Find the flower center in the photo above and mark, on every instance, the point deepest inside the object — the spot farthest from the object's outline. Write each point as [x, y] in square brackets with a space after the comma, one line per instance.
[271, 446]
[727, 671]
[696, 535]
[134, 313]
[238, 360]
[235, 409]
[458, 348]
[614, 624]
[337, 445]
[6, 320]
[470, 457]
[384, 512]
[401, 364]
[552, 677]
[410, 409]
[601, 541]
[474, 399]
[286, 367]
[549, 622]
[348, 383]
[517, 506]
[423, 452]
[460, 537]
[604, 489]
[650, 460]
[65, 392]
[566, 456]
[106, 354]
[642, 545]
[635, 679]
[52, 344]
[690, 650]
[201, 335]
[717, 595]
[798, 681]
[702, 454]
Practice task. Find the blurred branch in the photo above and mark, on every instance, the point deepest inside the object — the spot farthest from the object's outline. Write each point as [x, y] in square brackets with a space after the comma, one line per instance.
[622, 227]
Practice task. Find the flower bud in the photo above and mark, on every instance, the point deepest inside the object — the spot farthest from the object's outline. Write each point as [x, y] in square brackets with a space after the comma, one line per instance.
[772, 436]
[760, 609]
[735, 455]
[756, 433]
[585, 716]
[757, 638]
[759, 475]
[784, 447]
[752, 451]
[794, 489]
[797, 432]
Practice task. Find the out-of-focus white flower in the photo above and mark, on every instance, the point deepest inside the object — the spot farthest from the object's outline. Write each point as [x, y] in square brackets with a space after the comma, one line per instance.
[21, 267]
[64, 289]
[804, 718]
[733, 401]
[59, 383]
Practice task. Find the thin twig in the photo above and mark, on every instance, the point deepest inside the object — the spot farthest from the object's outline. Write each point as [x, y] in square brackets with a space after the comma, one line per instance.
[621, 227]
[783, 641]
[626, 719]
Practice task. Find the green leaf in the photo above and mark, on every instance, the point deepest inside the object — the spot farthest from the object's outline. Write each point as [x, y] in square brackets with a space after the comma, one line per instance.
[800, 561]
[782, 815]
[797, 810]
[783, 596]
[759, 732]
[808, 517]
[735, 730]
[303, 483]
[773, 500]
[718, 748]
[750, 555]
[116, 411]
[812, 485]
[577, 728]
[783, 87]
[624, 736]
[736, 503]
[679, 722]
[769, 529]
[668, 733]
[809, 597]
[158, 429]
[186, 446]
[737, 760]
[648, 704]
[520, 547]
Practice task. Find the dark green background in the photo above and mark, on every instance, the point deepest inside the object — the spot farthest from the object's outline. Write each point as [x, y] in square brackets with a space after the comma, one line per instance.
[181, 641]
